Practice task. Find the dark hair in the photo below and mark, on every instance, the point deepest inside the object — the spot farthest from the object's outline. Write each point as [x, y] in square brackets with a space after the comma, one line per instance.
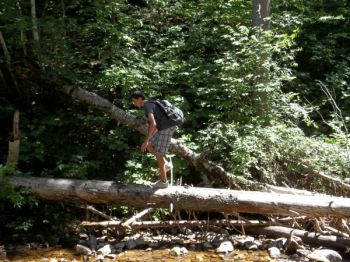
[137, 94]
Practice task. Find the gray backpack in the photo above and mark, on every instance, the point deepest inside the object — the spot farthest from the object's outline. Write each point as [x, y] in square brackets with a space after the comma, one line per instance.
[174, 114]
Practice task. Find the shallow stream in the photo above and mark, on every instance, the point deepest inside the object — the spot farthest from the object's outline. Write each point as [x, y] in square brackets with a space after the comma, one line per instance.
[26, 254]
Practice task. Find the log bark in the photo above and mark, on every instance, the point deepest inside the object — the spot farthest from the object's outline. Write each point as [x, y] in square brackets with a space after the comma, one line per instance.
[191, 198]
[261, 12]
[179, 223]
[34, 21]
[307, 237]
[4, 49]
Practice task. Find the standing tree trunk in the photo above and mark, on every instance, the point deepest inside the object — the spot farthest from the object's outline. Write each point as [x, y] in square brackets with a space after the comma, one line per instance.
[261, 14]
[261, 20]
[22, 35]
[4, 49]
[8, 62]
[13, 154]
[34, 21]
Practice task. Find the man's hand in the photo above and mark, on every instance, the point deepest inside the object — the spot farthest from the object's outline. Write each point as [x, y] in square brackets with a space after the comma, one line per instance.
[144, 146]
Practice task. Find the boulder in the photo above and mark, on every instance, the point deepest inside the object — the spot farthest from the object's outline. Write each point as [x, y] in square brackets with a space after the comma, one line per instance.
[274, 252]
[83, 250]
[225, 247]
[323, 255]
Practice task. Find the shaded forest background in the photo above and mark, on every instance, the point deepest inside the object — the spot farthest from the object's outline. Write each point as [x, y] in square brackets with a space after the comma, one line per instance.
[261, 103]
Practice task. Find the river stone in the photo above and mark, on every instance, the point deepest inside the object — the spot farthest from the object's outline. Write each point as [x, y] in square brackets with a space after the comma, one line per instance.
[325, 255]
[130, 244]
[274, 252]
[184, 251]
[119, 245]
[105, 250]
[250, 245]
[242, 241]
[83, 250]
[178, 251]
[279, 243]
[175, 251]
[140, 242]
[225, 247]
[208, 245]
[92, 242]
[111, 256]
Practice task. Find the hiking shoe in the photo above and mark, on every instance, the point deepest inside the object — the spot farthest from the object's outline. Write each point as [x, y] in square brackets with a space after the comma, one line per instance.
[168, 166]
[161, 184]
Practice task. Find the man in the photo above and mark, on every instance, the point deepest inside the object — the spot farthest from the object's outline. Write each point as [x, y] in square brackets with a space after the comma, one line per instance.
[158, 138]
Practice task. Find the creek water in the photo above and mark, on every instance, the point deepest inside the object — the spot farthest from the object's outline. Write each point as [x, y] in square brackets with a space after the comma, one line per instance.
[26, 254]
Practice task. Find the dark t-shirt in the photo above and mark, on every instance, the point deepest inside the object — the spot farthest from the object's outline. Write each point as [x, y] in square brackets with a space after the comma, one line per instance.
[160, 117]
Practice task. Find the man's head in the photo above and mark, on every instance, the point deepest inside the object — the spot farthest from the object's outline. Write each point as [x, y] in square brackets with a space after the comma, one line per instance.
[138, 99]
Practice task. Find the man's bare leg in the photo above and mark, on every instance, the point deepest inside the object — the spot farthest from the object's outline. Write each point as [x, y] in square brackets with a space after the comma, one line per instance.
[161, 162]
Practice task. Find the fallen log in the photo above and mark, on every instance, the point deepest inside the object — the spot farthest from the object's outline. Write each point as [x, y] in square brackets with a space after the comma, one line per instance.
[179, 223]
[190, 198]
[337, 242]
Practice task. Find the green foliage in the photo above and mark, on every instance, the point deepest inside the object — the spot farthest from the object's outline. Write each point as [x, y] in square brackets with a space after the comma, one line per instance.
[324, 43]
[262, 153]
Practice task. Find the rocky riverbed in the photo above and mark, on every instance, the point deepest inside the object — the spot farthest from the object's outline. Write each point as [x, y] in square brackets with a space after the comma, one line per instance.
[159, 246]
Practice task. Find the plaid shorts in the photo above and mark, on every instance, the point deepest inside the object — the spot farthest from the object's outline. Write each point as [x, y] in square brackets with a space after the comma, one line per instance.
[161, 140]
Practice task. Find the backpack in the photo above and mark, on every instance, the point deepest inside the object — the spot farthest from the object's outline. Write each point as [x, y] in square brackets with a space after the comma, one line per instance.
[173, 113]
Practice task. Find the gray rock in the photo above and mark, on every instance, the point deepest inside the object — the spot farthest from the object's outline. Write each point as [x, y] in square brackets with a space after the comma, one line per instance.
[118, 250]
[225, 247]
[207, 245]
[83, 236]
[111, 256]
[119, 245]
[153, 244]
[83, 250]
[179, 251]
[140, 242]
[279, 243]
[175, 251]
[274, 252]
[241, 242]
[250, 245]
[130, 244]
[303, 252]
[325, 255]
[184, 251]
[105, 250]
[92, 242]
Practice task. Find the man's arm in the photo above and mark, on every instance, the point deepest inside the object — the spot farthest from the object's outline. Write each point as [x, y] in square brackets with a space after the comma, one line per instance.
[152, 128]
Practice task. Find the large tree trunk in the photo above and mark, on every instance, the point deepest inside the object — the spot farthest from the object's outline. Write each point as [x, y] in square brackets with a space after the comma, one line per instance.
[192, 198]
[4, 49]
[13, 154]
[261, 14]
[34, 21]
